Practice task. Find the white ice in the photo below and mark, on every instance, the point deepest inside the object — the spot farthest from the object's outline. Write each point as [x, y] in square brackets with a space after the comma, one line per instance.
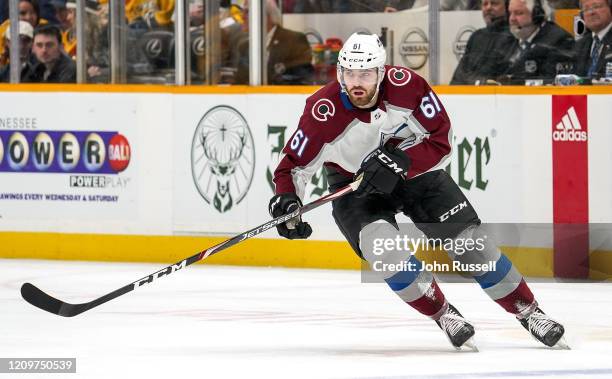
[243, 322]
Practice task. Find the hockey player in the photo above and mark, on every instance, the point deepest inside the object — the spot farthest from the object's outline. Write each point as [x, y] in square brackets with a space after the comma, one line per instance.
[386, 124]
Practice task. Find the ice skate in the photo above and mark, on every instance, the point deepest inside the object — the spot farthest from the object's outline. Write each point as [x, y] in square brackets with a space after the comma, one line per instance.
[545, 329]
[460, 333]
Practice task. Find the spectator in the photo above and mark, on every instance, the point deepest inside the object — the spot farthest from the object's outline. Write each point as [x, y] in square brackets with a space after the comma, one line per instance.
[459, 5]
[539, 46]
[564, 4]
[232, 34]
[65, 12]
[288, 53]
[149, 14]
[594, 50]
[373, 6]
[53, 65]
[314, 6]
[4, 10]
[97, 37]
[28, 11]
[288, 5]
[196, 13]
[478, 64]
[230, 19]
[349, 6]
[47, 11]
[26, 33]
[61, 13]
[229, 13]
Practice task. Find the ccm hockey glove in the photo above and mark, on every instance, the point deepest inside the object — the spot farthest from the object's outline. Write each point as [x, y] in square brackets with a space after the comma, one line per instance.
[294, 228]
[382, 171]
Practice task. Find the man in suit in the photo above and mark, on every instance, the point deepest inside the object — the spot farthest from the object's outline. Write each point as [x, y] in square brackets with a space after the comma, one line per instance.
[288, 53]
[594, 50]
[540, 48]
[482, 51]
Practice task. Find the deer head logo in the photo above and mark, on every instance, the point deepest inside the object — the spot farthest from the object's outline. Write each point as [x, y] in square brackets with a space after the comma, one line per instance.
[223, 158]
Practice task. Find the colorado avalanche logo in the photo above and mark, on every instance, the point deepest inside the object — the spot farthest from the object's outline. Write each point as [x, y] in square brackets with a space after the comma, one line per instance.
[399, 76]
[323, 109]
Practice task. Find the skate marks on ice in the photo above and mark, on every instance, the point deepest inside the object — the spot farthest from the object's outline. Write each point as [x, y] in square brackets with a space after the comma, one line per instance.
[339, 320]
[235, 317]
[595, 373]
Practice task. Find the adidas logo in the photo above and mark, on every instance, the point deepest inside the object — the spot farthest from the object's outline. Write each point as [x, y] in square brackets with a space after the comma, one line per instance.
[569, 129]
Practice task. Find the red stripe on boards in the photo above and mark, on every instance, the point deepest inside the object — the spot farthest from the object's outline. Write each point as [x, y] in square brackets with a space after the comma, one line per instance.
[570, 186]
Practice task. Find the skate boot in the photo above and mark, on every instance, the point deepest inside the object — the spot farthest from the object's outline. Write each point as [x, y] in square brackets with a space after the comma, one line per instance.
[544, 329]
[460, 333]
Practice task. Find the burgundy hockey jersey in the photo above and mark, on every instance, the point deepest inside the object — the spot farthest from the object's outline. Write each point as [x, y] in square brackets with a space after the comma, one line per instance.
[333, 132]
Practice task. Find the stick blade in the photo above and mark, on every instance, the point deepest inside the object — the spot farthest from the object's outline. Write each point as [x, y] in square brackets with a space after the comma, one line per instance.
[44, 301]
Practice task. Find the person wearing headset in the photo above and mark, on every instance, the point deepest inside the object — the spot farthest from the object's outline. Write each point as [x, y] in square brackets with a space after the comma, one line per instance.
[539, 46]
[477, 65]
[594, 49]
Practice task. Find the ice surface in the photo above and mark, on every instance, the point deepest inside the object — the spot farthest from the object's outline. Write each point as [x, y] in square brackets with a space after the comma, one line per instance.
[244, 322]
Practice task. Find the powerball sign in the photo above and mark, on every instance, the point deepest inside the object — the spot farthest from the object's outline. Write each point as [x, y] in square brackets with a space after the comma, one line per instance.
[66, 175]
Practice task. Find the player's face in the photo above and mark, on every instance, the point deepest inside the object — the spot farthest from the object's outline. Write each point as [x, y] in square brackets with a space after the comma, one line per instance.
[597, 14]
[360, 85]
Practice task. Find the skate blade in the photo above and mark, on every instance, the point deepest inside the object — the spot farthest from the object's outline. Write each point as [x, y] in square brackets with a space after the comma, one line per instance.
[469, 345]
[562, 344]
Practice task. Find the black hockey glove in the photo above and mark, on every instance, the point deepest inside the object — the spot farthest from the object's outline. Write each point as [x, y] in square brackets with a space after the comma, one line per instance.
[382, 171]
[294, 228]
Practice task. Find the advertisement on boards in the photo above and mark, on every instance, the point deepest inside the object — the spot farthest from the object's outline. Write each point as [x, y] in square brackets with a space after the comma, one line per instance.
[224, 156]
[71, 162]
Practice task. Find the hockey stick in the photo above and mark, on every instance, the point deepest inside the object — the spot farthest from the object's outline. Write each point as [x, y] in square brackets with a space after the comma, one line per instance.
[42, 300]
